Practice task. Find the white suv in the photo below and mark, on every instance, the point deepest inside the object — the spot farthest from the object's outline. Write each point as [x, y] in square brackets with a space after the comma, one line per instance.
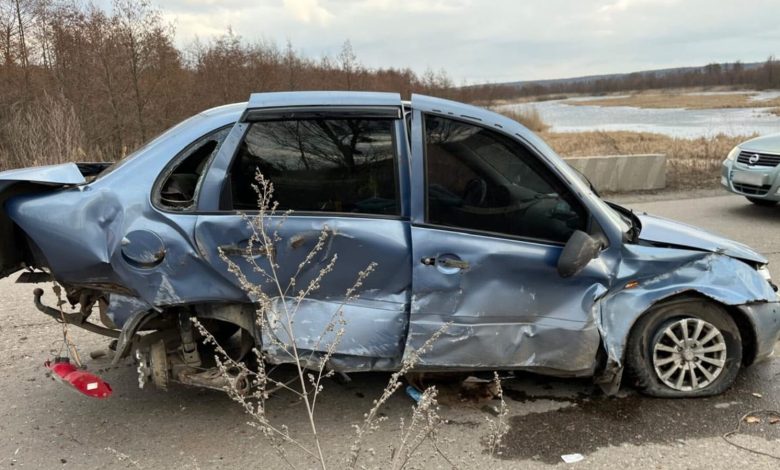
[751, 170]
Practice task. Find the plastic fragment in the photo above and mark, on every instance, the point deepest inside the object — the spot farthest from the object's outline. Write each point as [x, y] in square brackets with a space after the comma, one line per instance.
[572, 458]
[413, 393]
[84, 382]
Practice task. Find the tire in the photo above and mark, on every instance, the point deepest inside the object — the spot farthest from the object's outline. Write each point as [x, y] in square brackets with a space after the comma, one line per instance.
[649, 357]
[762, 202]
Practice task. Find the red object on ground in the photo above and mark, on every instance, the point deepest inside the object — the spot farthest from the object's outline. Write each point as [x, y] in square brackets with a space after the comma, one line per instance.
[82, 381]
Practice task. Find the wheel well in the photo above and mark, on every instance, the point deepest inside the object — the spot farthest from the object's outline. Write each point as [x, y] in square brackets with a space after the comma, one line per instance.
[746, 330]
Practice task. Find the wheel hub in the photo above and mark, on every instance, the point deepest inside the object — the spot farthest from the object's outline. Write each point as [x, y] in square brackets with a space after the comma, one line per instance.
[689, 354]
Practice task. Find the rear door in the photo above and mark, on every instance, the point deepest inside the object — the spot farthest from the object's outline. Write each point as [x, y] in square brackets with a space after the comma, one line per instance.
[489, 221]
[337, 161]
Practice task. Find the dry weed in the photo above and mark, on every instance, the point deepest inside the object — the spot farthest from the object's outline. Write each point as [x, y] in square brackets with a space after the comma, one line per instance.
[689, 162]
[671, 99]
[276, 311]
[526, 115]
[43, 131]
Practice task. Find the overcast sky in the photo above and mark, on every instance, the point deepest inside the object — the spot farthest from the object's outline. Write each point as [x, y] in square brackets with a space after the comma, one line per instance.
[499, 40]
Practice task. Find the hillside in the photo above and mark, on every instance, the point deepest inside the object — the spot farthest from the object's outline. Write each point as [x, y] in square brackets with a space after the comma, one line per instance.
[588, 79]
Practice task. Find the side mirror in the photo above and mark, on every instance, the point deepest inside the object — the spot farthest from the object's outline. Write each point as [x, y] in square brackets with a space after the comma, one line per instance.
[578, 252]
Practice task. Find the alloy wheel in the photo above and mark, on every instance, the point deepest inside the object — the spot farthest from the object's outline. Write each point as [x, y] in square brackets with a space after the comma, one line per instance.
[689, 354]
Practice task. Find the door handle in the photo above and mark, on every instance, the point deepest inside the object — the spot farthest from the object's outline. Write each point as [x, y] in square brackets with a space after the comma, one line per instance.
[453, 263]
[449, 262]
[242, 248]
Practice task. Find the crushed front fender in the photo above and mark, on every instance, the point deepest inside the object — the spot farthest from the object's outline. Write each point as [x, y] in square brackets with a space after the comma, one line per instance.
[725, 280]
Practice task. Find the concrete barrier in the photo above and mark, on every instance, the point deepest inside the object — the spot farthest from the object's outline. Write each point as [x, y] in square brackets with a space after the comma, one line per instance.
[621, 173]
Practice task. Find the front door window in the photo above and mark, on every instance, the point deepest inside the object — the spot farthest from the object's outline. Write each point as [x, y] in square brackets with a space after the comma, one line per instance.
[481, 180]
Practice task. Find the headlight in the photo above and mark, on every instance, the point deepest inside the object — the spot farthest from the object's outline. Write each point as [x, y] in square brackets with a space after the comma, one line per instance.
[733, 154]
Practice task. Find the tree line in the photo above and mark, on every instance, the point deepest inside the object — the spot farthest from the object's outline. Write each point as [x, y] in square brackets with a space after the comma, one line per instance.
[115, 78]
[78, 82]
[758, 76]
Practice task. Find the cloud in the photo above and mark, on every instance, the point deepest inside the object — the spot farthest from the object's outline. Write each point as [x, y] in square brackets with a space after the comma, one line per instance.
[499, 40]
[308, 11]
[623, 5]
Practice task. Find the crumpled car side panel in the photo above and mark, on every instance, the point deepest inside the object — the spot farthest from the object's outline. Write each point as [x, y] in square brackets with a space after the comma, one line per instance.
[725, 280]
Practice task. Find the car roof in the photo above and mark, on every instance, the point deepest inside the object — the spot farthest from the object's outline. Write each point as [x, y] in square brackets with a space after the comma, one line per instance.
[226, 110]
[323, 98]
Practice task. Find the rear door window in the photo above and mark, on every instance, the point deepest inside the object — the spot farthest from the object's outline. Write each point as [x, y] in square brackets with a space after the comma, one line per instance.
[319, 165]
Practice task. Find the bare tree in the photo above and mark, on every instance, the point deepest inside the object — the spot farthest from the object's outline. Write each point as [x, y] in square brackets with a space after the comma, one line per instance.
[23, 10]
[348, 62]
[124, 79]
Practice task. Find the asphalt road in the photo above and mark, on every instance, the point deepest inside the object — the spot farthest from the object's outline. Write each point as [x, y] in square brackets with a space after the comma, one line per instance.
[44, 425]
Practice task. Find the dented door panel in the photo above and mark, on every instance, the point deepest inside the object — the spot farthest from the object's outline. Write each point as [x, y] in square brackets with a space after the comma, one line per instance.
[509, 308]
[377, 319]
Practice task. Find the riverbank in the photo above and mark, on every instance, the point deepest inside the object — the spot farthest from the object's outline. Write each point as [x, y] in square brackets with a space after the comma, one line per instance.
[690, 163]
[655, 99]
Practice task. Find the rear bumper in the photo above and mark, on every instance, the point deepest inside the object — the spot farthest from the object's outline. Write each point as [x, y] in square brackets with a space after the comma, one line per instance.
[765, 318]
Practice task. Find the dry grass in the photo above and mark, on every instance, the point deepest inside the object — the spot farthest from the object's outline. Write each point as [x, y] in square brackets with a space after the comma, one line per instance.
[690, 162]
[527, 116]
[43, 131]
[775, 111]
[679, 99]
[493, 103]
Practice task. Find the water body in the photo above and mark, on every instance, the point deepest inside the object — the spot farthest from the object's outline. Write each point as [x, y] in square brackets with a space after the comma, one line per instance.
[676, 122]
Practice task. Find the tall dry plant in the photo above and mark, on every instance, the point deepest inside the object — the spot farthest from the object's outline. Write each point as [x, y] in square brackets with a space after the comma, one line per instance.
[526, 115]
[44, 131]
[690, 162]
[277, 310]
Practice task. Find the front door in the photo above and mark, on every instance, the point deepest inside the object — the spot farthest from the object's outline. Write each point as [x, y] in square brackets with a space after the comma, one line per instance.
[489, 223]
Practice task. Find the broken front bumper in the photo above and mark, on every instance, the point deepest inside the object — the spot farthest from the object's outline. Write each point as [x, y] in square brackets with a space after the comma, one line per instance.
[765, 317]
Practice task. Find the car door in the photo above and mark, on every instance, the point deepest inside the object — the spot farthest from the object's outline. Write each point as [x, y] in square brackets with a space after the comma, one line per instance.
[489, 221]
[338, 162]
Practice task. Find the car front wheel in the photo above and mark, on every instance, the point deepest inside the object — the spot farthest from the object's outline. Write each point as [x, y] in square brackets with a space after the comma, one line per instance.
[762, 202]
[689, 348]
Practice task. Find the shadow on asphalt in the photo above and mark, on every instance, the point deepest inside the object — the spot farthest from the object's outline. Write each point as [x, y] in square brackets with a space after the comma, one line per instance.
[597, 421]
[752, 211]
[586, 421]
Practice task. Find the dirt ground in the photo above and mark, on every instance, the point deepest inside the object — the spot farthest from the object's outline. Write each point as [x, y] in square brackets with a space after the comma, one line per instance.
[45, 425]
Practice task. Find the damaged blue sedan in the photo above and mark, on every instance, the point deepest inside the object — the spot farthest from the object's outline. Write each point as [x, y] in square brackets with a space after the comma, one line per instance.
[473, 220]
